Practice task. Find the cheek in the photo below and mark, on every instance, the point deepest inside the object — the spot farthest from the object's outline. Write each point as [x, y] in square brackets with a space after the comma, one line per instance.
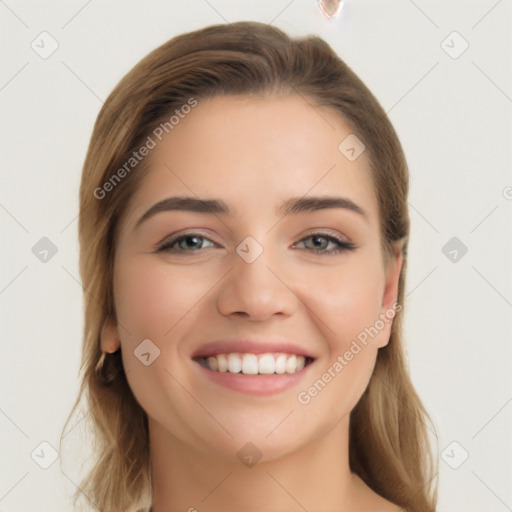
[349, 300]
[151, 298]
[349, 306]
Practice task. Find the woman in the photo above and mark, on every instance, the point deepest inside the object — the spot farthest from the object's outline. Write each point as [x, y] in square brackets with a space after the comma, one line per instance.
[243, 242]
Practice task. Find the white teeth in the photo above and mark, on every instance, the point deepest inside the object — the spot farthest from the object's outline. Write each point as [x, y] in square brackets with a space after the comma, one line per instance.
[234, 363]
[254, 364]
[291, 363]
[212, 361]
[222, 363]
[249, 364]
[267, 364]
[281, 364]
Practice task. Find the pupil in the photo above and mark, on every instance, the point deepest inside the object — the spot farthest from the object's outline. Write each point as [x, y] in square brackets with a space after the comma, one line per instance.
[188, 238]
[317, 239]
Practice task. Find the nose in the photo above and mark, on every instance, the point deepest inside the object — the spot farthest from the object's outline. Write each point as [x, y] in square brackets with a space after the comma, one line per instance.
[257, 290]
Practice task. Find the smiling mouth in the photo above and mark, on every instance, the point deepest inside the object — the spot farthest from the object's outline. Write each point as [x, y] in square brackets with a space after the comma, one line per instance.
[255, 364]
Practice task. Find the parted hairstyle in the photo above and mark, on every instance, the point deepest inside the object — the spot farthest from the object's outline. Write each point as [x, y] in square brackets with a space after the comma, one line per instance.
[389, 446]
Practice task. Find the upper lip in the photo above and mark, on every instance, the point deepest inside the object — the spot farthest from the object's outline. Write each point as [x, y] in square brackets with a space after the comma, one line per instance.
[251, 346]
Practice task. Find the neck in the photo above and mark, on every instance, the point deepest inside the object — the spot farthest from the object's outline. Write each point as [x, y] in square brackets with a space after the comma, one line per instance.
[314, 477]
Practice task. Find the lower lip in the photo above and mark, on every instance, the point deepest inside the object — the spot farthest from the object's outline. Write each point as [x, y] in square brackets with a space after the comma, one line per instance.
[258, 385]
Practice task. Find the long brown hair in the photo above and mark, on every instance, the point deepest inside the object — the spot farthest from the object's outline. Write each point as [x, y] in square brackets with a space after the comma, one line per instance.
[389, 446]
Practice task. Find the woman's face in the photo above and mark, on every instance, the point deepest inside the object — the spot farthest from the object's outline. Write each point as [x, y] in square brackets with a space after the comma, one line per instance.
[260, 275]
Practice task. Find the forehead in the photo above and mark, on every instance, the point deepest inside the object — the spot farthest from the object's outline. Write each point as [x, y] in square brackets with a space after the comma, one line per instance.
[255, 152]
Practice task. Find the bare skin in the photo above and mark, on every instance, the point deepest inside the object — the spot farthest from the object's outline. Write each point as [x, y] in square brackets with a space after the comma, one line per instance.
[253, 153]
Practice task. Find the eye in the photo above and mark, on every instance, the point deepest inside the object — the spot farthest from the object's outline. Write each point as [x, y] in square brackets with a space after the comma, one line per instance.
[193, 242]
[194, 239]
[339, 245]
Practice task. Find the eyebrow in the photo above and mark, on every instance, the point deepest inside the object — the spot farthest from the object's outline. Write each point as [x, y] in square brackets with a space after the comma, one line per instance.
[292, 206]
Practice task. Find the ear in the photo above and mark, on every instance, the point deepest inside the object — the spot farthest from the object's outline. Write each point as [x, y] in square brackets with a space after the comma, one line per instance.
[393, 267]
[109, 338]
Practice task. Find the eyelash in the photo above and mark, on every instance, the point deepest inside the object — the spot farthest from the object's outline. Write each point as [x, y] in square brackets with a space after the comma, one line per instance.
[342, 245]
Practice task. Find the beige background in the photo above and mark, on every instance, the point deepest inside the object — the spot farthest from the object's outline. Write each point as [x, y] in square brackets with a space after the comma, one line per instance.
[452, 108]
